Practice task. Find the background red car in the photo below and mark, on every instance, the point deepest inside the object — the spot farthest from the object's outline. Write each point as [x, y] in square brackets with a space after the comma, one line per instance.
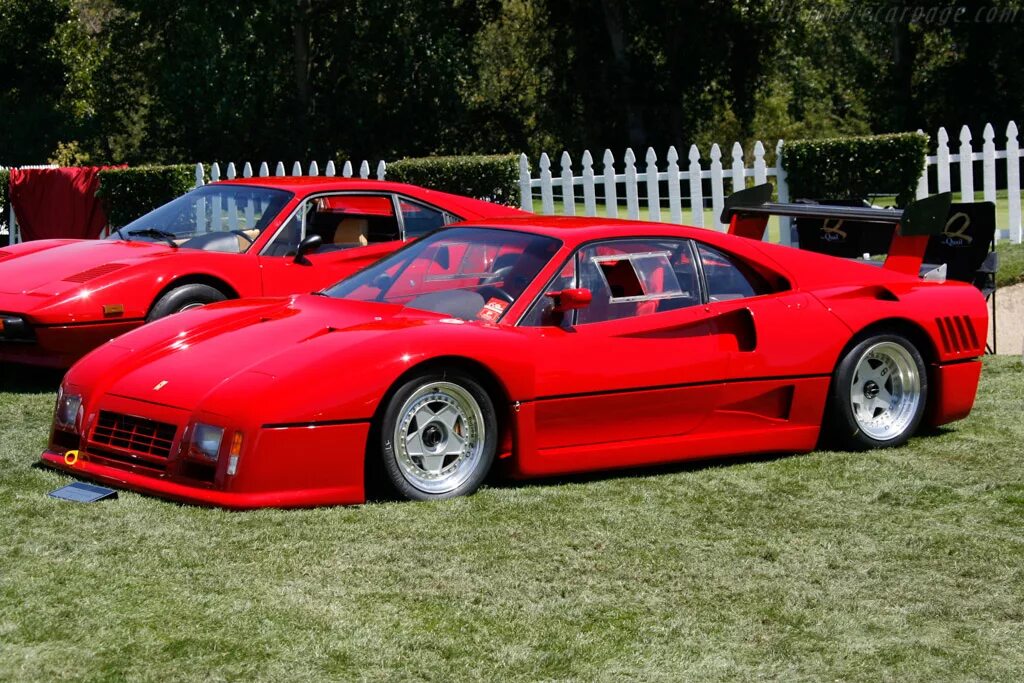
[551, 345]
[259, 236]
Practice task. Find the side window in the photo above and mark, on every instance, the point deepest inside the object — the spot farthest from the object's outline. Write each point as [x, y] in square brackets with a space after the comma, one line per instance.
[729, 278]
[420, 219]
[342, 221]
[626, 278]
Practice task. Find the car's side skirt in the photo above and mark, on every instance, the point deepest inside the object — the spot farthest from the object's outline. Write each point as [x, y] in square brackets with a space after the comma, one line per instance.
[660, 425]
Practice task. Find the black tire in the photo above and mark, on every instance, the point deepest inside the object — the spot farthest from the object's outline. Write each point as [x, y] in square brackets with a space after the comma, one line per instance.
[183, 297]
[857, 416]
[401, 477]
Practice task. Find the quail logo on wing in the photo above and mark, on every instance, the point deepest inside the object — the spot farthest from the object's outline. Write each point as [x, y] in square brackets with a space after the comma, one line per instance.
[957, 237]
[832, 231]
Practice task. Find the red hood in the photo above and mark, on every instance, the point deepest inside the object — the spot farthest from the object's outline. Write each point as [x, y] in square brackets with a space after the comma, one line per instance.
[55, 267]
[230, 342]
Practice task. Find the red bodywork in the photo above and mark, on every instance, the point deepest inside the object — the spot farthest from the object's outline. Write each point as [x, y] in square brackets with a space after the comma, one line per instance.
[302, 379]
[60, 287]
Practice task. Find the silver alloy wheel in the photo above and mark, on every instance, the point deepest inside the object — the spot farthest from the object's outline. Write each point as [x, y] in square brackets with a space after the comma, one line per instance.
[885, 391]
[439, 438]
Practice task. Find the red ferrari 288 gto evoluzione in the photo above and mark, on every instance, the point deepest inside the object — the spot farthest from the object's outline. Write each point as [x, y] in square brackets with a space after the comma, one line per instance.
[254, 237]
[544, 345]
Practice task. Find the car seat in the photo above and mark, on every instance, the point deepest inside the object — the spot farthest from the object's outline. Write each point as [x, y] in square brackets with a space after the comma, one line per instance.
[351, 232]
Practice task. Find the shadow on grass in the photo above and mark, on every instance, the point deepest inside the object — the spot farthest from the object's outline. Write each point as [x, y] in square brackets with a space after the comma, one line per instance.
[501, 479]
[25, 379]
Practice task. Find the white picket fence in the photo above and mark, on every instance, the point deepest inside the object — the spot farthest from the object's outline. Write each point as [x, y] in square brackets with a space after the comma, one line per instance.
[640, 184]
[649, 177]
[989, 156]
[213, 173]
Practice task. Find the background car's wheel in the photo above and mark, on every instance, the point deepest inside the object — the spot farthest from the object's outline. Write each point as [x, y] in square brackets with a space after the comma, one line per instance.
[438, 436]
[184, 298]
[879, 391]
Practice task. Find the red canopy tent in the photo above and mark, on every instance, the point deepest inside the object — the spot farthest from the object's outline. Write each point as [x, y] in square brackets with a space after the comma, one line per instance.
[53, 203]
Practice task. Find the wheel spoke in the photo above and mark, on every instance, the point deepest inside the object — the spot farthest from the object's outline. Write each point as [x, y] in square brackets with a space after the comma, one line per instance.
[414, 444]
[455, 444]
[424, 415]
[448, 416]
[884, 398]
[432, 463]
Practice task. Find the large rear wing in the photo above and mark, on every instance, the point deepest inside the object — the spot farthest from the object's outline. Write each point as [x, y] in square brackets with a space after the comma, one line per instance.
[747, 213]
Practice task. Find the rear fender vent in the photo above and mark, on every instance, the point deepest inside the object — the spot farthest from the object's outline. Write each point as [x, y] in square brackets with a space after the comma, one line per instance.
[957, 334]
[94, 273]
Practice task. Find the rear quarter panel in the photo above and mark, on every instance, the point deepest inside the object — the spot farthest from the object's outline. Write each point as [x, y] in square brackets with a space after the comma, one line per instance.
[952, 315]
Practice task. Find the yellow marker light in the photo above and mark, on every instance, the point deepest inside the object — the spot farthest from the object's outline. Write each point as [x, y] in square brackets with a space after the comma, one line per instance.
[70, 458]
[234, 452]
[1, 324]
[113, 310]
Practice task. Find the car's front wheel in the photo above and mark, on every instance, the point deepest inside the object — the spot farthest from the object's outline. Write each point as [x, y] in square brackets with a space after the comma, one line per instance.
[878, 393]
[438, 436]
[184, 298]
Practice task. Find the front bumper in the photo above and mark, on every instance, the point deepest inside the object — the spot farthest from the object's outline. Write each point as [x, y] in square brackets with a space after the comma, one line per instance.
[56, 346]
[285, 468]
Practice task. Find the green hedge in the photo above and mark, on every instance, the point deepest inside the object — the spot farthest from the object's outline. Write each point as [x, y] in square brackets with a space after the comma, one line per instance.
[491, 177]
[855, 167]
[128, 193]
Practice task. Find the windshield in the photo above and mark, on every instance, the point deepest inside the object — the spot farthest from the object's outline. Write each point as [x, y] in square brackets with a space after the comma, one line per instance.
[467, 273]
[226, 218]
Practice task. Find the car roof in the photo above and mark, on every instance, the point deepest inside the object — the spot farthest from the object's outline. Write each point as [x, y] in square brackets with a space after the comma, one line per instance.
[467, 207]
[584, 229]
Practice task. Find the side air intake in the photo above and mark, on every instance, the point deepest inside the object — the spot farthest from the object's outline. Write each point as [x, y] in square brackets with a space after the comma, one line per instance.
[957, 334]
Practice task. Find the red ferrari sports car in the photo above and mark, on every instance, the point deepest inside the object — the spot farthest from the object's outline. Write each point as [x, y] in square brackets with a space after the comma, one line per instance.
[548, 345]
[255, 237]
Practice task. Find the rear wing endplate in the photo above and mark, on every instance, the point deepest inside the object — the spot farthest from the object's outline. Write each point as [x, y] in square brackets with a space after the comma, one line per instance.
[747, 213]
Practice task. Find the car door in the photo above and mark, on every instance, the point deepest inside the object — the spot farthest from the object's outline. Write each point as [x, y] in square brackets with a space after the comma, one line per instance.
[781, 349]
[356, 228]
[640, 365]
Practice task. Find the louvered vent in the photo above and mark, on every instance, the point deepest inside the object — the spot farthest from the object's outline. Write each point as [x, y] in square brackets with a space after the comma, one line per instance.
[957, 334]
[94, 273]
[4, 254]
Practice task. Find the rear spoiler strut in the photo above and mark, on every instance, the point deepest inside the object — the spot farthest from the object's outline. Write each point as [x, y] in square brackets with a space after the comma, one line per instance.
[747, 213]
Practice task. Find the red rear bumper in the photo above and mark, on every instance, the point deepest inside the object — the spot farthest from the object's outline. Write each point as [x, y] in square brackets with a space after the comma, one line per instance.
[953, 389]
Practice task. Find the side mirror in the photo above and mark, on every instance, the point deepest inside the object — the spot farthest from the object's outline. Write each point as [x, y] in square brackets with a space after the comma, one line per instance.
[570, 299]
[306, 246]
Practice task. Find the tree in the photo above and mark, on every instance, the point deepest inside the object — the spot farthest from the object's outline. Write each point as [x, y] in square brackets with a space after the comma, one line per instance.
[32, 78]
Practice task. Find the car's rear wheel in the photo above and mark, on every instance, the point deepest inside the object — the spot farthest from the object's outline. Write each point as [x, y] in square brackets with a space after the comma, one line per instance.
[879, 391]
[184, 298]
[438, 436]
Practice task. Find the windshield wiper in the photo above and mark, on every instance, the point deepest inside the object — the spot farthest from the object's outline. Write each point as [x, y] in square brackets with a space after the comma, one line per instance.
[120, 235]
[155, 232]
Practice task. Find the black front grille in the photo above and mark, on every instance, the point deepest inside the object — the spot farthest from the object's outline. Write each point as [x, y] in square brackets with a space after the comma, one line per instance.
[134, 434]
[105, 456]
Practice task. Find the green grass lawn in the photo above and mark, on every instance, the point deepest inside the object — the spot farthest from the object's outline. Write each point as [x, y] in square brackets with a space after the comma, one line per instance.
[904, 565]
[1011, 264]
